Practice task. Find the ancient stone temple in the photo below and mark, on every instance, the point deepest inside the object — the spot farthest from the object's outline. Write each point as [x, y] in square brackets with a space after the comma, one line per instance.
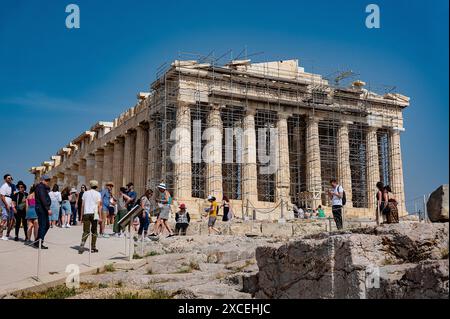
[321, 131]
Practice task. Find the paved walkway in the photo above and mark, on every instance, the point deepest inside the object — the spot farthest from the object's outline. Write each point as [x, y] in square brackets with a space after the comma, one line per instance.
[19, 263]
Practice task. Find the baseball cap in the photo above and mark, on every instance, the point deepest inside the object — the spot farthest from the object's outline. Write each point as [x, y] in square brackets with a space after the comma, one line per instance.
[45, 178]
[182, 206]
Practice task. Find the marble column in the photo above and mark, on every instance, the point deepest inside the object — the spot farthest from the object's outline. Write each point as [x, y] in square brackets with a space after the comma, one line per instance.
[98, 170]
[74, 176]
[90, 168]
[181, 155]
[118, 160]
[313, 166]
[108, 156]
[61, 180]
[129, 156]
[343, 162]
[396, 169]
[249, 167]
[283, 173]
[81, 173]
[153, 165]
[373, 167]
[141, 158]
[212, 153]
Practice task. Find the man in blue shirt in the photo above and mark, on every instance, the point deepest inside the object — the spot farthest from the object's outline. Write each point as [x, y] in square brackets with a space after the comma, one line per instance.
[132, 194]
[106, 201]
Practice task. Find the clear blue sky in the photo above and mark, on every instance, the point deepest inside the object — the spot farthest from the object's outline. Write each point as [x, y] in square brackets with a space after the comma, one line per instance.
[56, 82]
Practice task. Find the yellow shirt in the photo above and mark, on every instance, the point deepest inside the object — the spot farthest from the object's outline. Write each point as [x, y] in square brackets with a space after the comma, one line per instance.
[213, 212]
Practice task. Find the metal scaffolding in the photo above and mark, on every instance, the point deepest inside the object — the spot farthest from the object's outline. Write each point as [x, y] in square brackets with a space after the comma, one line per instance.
[225, 84]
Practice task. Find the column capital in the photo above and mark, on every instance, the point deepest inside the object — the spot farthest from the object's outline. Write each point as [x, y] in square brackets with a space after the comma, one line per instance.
[283, 116]
[119, 139]
[143, 125]
[181, 103]
[216, 106]
[250, 111]
[345, 123]
[313, 119]
[99, 151]
[372, 129]
[397, 129]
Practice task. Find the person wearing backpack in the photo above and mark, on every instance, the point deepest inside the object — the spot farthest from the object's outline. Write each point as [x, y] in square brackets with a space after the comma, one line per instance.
[338, 199]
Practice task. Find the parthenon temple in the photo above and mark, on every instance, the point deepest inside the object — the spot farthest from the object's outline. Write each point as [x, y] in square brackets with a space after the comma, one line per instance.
[323, 131]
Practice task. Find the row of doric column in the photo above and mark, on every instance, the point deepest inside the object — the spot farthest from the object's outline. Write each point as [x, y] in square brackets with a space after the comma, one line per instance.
[314, 182]
[135, 157]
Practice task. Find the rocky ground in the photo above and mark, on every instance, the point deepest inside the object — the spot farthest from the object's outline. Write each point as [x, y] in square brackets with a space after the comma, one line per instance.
[406, 260]
[184, 267]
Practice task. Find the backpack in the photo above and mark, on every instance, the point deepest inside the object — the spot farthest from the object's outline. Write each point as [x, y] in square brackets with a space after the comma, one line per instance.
[344, 197]
[138, 201]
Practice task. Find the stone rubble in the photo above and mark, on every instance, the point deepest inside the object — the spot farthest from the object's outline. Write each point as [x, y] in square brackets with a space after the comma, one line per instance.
[410, 258]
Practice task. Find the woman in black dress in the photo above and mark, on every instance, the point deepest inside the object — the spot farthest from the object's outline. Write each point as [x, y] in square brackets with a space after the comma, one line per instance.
[226, 208]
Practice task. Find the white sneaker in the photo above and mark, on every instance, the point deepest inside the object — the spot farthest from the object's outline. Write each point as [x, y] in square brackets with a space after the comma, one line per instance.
[67, 226]
[5, 238]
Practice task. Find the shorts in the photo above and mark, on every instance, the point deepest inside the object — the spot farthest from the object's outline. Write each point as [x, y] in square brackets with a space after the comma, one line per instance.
[31, 213]
[65, 207]
[5, 214]
[55, 212]
[111, 211]
[211, 221]
[164, 213]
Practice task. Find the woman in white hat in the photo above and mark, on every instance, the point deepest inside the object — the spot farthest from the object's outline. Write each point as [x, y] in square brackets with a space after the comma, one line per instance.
[164, 205]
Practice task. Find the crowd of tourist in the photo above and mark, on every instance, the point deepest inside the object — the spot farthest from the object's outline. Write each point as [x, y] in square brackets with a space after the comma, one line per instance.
[43, 207]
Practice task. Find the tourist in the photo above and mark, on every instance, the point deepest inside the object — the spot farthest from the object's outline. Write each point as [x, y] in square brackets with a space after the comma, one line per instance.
[80, 201]
[147, 206]
[336, 195]
[112, 208]
[19, 204]
[66, 209]
[182, 220]
[382, 199]
[164, 211]
[298, 211]
[6, 206]
[43, 209]
[90, 215]
[106, 201]
[132, 194]
[55, 197]
[307, 213]
[320, 212]
[226, 208]
[31, 217]
[391, 210]
[212, 210]
[73, 199]
[122, 203]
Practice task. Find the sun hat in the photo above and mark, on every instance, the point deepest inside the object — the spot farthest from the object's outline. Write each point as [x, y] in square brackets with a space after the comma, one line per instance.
[162, 186]
[109, 184]
[73, 190]
[93, 183]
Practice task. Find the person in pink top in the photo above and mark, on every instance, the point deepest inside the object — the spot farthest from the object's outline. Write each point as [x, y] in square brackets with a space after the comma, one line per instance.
[31, 215]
